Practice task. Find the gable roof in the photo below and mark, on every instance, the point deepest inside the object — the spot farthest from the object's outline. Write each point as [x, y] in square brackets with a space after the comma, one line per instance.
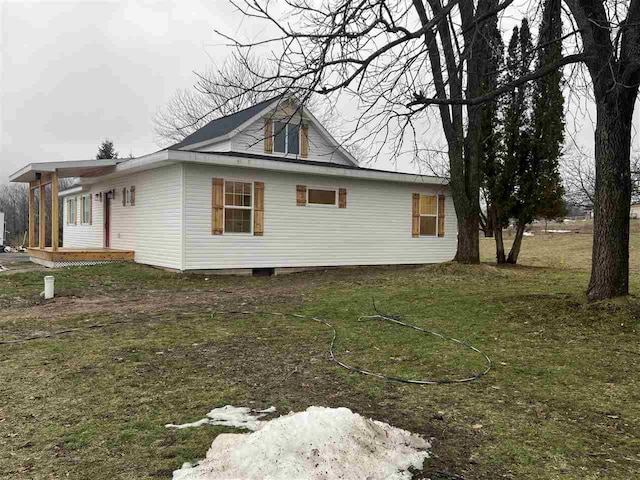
[228, 126]
[223, 125]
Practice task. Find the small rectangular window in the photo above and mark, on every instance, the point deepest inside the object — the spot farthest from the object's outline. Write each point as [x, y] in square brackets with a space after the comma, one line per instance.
[237, 207]
[321, 197]
[428, 215]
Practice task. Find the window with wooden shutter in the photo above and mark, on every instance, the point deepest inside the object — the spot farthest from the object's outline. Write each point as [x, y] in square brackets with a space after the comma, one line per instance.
[342, 200]
[301, 195]
[427, 215]
[268, 136]
[304, 141]
[258, 209]
[441, 203]
[217, 206]
[415, 215]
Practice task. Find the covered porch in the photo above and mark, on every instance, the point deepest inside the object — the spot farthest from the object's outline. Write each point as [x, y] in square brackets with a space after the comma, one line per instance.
[41, 175]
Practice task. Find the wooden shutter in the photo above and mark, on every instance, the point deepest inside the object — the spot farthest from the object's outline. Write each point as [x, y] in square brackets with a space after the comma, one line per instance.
[304, 141]
[301, 195]
[217, 206]
[415, 220]
[75, 211]
[342, 198]
[124, 197]
[258, 209]
[68, 211]
[441, 200]
[268, 136]
[133, 195]
[90, 200]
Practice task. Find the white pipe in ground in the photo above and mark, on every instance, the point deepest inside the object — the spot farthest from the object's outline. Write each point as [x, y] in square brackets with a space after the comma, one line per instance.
[49, 289]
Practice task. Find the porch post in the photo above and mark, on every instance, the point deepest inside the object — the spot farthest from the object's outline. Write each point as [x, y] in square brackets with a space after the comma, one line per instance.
[32, 217]
[42, 209]
[54, 211]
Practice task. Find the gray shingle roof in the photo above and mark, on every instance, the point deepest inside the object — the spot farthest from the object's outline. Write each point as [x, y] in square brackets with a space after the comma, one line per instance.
[222, 126]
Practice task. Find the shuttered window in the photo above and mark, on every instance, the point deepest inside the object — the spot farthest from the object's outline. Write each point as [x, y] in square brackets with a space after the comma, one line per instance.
[237, 207]
[321, 196]
[318, 196]
[428, 215]
[286, 138]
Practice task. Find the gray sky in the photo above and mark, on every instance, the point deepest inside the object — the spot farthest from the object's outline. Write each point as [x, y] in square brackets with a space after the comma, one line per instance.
[75, 72]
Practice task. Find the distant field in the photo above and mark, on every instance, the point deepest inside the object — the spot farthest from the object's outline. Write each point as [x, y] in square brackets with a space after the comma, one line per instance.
[561, 250]
[562, 401]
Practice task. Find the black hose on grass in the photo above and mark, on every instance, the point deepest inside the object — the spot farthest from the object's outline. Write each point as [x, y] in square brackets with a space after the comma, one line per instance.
[393, 320]
[377, 316]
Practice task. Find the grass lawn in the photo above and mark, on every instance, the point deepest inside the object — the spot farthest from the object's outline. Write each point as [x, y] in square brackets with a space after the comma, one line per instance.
[562, 401]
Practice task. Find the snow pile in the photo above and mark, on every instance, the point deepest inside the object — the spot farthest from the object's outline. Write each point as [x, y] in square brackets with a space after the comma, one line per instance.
[230, 416]
[558, 231]
[317, 444]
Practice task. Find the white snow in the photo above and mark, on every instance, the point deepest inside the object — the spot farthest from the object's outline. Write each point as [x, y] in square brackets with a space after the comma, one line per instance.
[558, 231]
[317, 444]
[230, 416]
[527, 234]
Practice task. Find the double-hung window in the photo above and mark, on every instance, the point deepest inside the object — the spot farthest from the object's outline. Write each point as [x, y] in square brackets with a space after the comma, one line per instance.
[238, 207]
[286, 137]
[428, 215]
[71, 210]
[86, 209]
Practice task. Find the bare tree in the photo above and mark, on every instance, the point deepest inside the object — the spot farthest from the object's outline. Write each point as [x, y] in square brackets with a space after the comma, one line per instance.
[14, 202]
[398, 58]
[610, 34]
[579, 178]
[216, 93]
[381, 50]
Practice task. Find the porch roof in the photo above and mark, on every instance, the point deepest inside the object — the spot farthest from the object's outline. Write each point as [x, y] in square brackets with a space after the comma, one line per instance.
[77, 168]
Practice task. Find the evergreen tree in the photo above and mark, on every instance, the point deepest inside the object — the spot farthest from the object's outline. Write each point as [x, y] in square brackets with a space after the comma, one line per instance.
[539, 191]
[520, 164]
[106, 150]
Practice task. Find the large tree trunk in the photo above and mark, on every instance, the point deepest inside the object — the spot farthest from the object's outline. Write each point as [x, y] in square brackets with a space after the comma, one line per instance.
[612, 199]
[497, 229]
[500, 258]
[517, 243]
[468, 239]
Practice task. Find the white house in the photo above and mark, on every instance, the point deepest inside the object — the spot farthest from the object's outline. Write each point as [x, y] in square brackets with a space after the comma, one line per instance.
[265, 188]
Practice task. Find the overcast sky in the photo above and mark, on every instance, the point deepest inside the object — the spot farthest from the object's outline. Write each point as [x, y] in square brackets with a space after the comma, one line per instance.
[73, 73]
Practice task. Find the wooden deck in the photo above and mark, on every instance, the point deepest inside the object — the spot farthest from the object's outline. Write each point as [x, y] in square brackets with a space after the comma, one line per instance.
[82, 254]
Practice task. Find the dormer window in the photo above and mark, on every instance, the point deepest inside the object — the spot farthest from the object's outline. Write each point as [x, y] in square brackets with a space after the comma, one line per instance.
[286, 137]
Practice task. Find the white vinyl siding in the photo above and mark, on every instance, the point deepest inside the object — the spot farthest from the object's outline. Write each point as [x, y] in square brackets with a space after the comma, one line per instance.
[375, 228]
[152, 229]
